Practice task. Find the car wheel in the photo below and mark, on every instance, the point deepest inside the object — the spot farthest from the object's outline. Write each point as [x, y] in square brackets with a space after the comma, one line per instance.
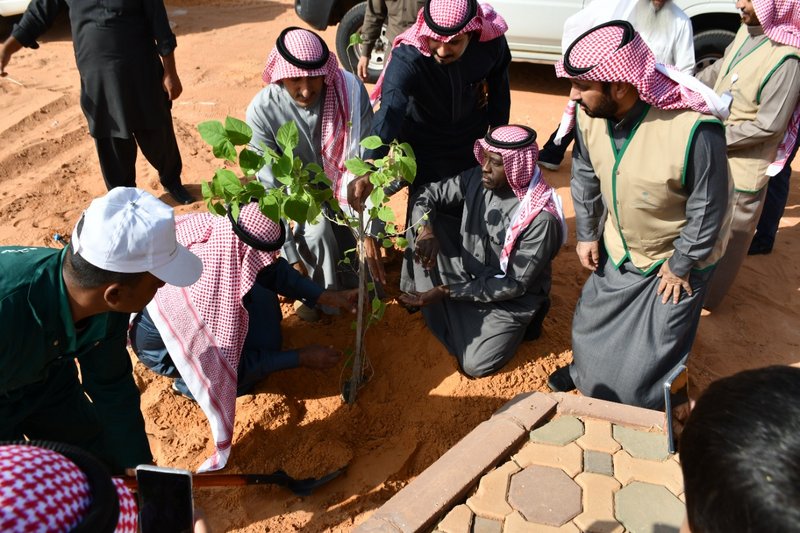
[348, 55]
[709, 46]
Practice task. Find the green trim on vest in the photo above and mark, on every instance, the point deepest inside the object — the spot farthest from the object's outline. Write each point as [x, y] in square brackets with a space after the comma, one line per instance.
[771, 72]
[691, 141]
[618, 159]
[734, 63]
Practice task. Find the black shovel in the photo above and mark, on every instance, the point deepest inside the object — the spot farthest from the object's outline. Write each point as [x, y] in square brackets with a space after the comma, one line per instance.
[301, 487]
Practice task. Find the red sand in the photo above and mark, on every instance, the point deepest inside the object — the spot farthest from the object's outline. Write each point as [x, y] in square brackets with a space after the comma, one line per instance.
[417, 405]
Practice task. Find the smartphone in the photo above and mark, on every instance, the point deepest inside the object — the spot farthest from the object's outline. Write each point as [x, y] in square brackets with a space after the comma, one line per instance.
[677, 383]
[165, 500]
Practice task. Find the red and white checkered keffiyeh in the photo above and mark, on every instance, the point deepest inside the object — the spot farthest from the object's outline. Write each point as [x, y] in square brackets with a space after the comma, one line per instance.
[308, 46]
[781, 22]
[602, 55]
[525, 179]
[43, 491]
[486, 23]
[204, 325]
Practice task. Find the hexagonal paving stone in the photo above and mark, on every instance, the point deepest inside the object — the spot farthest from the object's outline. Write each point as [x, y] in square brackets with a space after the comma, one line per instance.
[642, 444]
[560, 431]
[644, 508]
[545, 495]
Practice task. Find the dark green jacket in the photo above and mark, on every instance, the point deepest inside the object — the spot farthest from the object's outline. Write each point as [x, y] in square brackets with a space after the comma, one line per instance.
[36, 331]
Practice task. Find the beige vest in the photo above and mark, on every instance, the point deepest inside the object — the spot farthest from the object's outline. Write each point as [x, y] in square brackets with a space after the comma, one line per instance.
[643, 185]
[751, 73]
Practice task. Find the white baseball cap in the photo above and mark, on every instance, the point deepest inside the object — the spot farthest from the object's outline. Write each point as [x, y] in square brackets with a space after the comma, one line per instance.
[129, 230]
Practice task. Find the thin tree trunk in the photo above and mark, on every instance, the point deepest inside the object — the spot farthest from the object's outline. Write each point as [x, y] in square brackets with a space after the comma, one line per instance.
[358, 353]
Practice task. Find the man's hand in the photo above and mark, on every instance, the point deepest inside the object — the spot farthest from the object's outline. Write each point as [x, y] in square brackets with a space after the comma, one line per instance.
[372, 253]
[361, 68]
[316, 356]
[300, 268]
[427, 248]
[358, 191]
[589, 254]
[172, 85]
[171, 81]
[347, 300]
[421, 299]
[10, 46]
[670, 284]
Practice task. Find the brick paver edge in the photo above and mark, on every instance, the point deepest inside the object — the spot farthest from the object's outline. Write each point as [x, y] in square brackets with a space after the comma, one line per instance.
[446, 481]
[616, 413]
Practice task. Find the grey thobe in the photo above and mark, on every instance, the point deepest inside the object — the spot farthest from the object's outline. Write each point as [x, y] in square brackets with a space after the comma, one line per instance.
[320, 246]
[625, 342]
[484, 319]
[778, 100]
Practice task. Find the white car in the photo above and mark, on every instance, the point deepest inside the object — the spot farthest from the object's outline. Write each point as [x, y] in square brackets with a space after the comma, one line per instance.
[9, 8]
[535, 27]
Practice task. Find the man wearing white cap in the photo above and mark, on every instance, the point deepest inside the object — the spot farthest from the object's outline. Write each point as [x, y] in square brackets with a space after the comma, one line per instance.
[651, 194]
[761, 68]
[60, 306]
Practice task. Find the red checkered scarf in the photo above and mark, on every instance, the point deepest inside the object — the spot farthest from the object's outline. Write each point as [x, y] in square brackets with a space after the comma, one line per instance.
[308, 46]
[41, 490]
[524, 178]
[599, 53]
[204, 326]
[449, 14]
[781, 22]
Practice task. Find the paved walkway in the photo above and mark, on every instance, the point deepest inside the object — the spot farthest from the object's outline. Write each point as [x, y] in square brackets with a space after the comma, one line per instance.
[547, 463]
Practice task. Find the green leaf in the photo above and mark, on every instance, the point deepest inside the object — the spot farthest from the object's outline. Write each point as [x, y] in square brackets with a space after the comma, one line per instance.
[357, 166]
[288, 137]
[239, 133]
[372, 142]
[218, 209]
[205, 189]
[401, 242]
[228, 181]
[296, 209]
[313, 213]
[212, 132]
[270, 208]
[408, 168]
[345, 261]
[387, 243]
[355, 38]
[283, 166]
[391, 228]
[234, 207]
[255, 189]
[407, 150]
[377, 196]
[314, 168]
[376, 304]
[386, 214]
[225, 150]
[370, 285]
[250, 162]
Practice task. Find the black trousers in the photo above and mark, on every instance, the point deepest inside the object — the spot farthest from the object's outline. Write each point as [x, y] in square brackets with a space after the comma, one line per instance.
[118, 157]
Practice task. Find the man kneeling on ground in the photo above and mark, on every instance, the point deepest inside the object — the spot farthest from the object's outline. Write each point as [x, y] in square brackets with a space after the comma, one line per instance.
[484, 286]
[222, 335]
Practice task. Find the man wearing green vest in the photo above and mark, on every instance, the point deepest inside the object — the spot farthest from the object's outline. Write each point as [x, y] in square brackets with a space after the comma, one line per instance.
[62, 306]
[761, 68]
[649, 159]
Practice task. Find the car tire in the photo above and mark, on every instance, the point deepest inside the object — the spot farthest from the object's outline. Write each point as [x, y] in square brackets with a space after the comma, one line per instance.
[348, 55]
[709, 46]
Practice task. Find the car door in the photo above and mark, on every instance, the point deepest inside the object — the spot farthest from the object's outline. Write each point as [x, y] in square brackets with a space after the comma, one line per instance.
[535, 26]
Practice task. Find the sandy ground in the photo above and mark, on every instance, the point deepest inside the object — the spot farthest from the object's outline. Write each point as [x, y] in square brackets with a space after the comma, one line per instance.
[417, 404]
